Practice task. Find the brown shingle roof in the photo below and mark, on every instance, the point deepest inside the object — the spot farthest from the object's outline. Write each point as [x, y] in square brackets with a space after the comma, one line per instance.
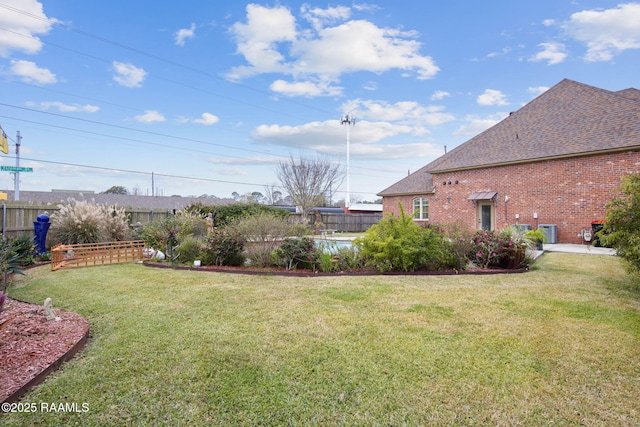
[419, 182]
[570, 119]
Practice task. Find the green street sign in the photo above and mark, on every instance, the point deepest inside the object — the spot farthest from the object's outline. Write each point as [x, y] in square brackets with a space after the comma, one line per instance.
[15, 169]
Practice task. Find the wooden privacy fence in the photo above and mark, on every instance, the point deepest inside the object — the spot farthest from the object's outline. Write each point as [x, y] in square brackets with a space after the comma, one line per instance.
[94, 254]
[350, 223]
[16, 220]
[19, 219]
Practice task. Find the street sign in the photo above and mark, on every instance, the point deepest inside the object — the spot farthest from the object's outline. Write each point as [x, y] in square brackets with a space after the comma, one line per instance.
[15, 169]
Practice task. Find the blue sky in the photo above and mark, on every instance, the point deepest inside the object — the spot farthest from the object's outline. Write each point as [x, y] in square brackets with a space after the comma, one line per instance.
[210, 96]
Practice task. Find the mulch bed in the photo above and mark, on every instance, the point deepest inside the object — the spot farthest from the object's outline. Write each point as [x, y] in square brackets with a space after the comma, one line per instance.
[31, 346]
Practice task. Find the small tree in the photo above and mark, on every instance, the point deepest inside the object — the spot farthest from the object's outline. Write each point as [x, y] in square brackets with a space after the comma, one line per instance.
[309, 181]
[622, 223]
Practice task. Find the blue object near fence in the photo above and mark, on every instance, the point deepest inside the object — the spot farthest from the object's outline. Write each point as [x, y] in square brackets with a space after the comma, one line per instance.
[41, 227]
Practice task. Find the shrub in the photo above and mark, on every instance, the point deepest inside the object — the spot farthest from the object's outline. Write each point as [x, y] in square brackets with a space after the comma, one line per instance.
[505, 248]
[157, 234]
[486, 248]
[80, 222]
[297, 253]
[77, 222]
[229, 214]
[326, 262]
[13, 252]
[622, 224]
[173, 229]
[460, 239]
[398, 244]
[348, 259]
[263, 232]
[115, 224]
[190, 249]
[223, 248]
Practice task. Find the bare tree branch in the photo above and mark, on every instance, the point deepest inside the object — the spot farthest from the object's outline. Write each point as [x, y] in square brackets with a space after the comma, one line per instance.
[308, 182]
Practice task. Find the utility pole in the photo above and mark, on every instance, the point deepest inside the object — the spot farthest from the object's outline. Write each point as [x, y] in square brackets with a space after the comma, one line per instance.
[16, 175]
[348, 120]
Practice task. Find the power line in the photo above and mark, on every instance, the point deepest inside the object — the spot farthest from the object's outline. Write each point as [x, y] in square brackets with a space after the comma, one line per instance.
[179, 138]
[157, 174]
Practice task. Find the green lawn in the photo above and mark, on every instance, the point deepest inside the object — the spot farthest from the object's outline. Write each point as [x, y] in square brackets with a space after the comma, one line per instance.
[559, 345]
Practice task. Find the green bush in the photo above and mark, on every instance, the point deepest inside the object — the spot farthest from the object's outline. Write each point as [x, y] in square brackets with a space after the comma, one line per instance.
[229, 214]
[190, 249]
[326, 262]
[347, 258]
[157, 234]
[297, 253]
[14, 253]
[173, 228]
[223, 248]
[398, 244]
[622, 224]
[505, 248]
[264, 233]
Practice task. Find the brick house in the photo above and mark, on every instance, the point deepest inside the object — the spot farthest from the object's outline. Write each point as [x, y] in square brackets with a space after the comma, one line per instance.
[555, 163]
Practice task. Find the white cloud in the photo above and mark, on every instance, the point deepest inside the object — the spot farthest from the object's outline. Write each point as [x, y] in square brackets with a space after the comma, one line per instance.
[150, 116]
[405, 112]
[128, 75]
[271, 41]
[606, 32]
[206, 119]
[245, 160]
[553, 53]
[31, 73]
[361, 46]
[66, 108]
[18, 25]
[257, 39]
[538, 90]
[440, 95]
[307, 88]
[321, 17]
[492, 97]
[184, 34]
[232, 172]
[328, 138]
[475, 125]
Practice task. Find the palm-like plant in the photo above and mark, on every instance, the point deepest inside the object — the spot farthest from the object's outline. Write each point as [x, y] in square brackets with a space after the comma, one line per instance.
[13, 253]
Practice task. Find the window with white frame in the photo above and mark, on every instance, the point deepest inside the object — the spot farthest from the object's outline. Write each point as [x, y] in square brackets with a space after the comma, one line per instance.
[420, 208]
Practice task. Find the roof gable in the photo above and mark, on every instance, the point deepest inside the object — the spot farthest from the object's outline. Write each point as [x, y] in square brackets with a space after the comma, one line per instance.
[419, 182]
[569, 119]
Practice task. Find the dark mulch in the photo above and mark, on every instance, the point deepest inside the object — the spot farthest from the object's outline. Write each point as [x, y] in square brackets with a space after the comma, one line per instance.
[274, 271]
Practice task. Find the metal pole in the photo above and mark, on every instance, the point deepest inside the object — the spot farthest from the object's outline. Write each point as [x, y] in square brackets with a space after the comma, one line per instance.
[348, 120]
[16, 176]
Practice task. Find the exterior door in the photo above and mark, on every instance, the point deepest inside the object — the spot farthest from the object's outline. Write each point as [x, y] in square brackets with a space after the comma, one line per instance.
[485, 215]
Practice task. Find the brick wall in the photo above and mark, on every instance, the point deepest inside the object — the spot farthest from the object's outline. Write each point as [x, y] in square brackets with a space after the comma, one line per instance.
[570, 193]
